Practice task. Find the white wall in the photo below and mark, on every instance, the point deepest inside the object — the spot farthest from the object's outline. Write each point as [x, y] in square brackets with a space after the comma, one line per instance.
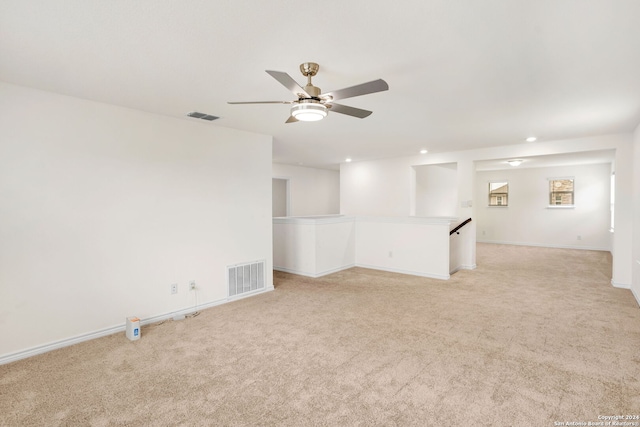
[312, 191]
[436, 190]
[462, 247]
[528, 220]
[417, 246]
[313, 246]
[380, 187]
[635, 286]
[323, 245]
[102, 208]
[384, 187]
[622, 246]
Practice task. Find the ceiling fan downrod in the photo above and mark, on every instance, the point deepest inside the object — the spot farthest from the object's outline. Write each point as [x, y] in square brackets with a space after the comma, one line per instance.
[310, 69]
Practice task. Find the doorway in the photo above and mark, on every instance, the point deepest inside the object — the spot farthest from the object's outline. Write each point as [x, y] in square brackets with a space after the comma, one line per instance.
[280, 197]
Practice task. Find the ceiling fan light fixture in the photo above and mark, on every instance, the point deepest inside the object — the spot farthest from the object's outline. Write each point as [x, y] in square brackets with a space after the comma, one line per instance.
[309, 112]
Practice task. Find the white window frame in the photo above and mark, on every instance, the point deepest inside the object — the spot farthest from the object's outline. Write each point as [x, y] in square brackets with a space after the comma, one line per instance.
[500, 198]
[551, 205]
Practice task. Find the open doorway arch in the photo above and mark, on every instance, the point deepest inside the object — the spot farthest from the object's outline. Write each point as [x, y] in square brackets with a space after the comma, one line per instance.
[280, 202]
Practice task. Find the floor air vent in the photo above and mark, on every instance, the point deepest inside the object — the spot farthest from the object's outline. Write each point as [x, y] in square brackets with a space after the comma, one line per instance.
[245, 278]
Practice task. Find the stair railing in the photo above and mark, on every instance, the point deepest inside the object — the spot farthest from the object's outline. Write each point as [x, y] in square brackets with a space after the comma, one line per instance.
[455, 230]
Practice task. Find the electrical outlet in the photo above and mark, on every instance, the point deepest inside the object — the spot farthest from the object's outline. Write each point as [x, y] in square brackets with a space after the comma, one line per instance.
[174, 288]
[192, 285]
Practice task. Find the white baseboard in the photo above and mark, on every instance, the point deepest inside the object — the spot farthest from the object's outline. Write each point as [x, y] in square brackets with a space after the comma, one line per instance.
[636, 296]
[627, 286]
[313, 275]
[463, 267]
[372, 267]
[620, 285]
[401, 271]
[540, 245]
[33, 351]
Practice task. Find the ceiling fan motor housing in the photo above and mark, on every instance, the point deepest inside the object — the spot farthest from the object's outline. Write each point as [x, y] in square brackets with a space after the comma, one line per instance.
[309, 69]
[312, 90]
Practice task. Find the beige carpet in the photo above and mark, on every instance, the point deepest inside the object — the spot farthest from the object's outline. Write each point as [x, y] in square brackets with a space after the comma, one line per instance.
[532, 337]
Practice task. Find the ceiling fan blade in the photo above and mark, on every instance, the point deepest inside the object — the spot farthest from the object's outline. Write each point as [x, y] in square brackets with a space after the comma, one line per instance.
[287, 81]
[291, 119]
[349, 111]
[361, 89]
[261, 102]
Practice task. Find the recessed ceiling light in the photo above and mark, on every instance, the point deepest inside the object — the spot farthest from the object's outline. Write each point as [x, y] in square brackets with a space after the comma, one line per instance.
[515, 162]
[423, 151]
[348, 159]
[531, 139]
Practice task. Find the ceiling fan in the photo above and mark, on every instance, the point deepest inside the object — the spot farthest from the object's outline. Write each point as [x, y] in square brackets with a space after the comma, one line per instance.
[312, 105]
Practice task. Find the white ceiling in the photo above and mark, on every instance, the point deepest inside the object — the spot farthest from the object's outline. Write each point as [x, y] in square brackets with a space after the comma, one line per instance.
[566, 159]
[462, 74]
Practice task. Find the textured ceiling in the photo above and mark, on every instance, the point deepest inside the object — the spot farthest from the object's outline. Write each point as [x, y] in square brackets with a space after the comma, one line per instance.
[462, 74]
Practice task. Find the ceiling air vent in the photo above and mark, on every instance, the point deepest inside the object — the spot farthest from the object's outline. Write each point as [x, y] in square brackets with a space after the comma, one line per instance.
[203, 116]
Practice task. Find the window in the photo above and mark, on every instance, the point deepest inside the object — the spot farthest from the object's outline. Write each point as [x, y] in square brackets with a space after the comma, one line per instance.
[498, 193]
[561, 192]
